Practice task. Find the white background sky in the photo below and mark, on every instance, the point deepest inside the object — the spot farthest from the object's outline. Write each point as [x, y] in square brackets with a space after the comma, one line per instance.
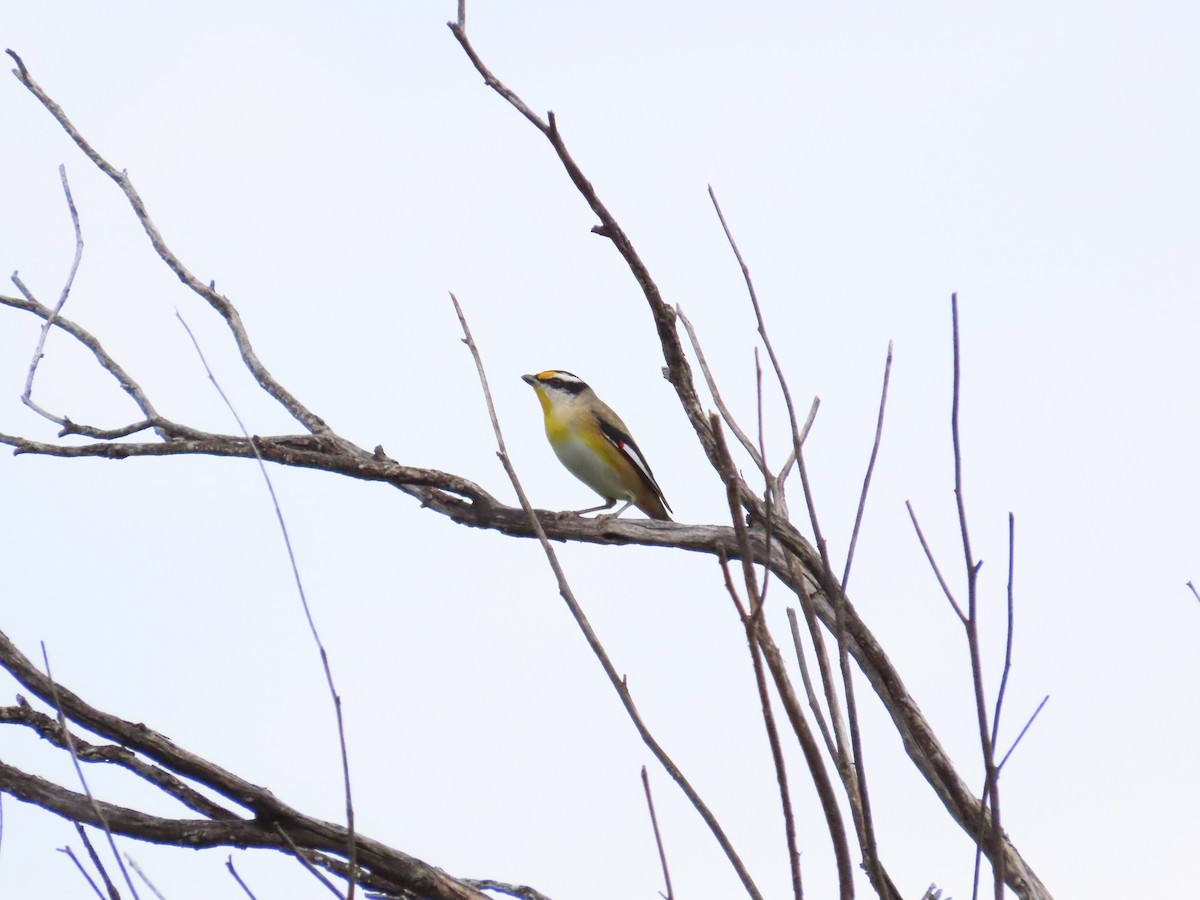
[337, 173]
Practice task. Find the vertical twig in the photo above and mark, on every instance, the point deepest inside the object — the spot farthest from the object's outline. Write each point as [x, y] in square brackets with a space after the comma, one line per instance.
[862, 498]
[27, 394]
[991, 789]
[351, 840]
[662, 854]
[1008, 641]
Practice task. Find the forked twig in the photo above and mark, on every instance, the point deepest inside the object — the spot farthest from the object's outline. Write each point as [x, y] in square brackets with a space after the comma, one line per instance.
[991, 790]
[82, 871]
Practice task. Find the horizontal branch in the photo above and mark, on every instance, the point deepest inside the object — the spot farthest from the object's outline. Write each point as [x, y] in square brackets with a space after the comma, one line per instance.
[467, 503]
[269, 813]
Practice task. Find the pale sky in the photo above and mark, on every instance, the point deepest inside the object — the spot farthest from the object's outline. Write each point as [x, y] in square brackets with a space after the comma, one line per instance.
[337, 173]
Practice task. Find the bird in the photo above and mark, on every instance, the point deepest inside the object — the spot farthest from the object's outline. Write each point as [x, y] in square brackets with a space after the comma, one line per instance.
[594, 445]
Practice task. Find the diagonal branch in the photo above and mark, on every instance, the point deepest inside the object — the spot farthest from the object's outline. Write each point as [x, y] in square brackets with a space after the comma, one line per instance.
[206, 291]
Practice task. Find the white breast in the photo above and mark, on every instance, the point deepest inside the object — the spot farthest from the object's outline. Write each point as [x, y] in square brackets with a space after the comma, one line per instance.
[585, 464]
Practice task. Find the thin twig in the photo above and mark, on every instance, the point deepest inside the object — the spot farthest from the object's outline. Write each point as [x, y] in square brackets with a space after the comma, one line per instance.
[1008, 641]
[1028, 723]
[1195, 593]
[589, 634]
[769, 494]
[662, 854]
[862, 498]
[62, 721]
[303, 859]
[142, 875]
[206, 291]
[815, 706]
[351, 845]
[726, 415]
[991, 787]
[95, 858]
[82, 871]
[238, 878]
[27, 394]
[933, 564]
[752, 625]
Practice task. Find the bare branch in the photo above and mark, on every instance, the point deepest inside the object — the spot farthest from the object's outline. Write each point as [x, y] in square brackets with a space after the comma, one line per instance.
[389, 869]
[128, 385]
[662, 854]
[726, 415]
[51, 729]
[933, 564]
[1028, 723]
[206, 291]
[1008, 641]
[862, 499]
[27, 394]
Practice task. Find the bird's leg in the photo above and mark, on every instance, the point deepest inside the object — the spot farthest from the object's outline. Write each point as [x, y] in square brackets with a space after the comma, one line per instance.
[609, 505]
[628, 503]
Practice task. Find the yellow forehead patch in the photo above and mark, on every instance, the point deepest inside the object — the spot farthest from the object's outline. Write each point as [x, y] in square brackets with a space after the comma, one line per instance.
[548, 374]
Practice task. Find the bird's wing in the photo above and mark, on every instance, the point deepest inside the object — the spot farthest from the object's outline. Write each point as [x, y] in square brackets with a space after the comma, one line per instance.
[626, 446]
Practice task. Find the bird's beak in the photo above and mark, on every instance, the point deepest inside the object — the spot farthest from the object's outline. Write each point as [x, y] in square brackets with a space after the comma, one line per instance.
[529, 380]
